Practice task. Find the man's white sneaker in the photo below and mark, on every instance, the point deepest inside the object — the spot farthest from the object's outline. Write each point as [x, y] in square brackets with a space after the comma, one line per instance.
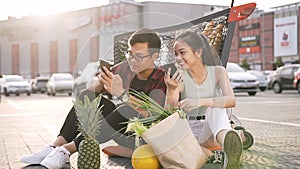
[232, 148]
[57, 158]
[38, 157]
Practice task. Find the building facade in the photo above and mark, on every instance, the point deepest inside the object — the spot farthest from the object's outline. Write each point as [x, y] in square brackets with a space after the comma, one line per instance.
[267, 38]
[42, 45]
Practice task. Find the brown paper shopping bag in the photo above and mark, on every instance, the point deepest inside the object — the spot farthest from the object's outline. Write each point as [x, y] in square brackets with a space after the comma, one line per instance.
[174, 144]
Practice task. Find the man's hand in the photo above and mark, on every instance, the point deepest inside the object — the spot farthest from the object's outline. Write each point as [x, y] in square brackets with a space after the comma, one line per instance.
[113, 84]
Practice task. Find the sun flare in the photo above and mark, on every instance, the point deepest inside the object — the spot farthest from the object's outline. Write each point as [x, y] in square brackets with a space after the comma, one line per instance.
[21, 8]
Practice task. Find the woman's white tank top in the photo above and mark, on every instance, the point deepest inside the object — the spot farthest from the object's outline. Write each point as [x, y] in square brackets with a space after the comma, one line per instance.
[207, 89]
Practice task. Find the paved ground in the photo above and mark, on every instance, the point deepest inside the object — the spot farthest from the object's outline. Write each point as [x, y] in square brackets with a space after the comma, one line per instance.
[24, 130]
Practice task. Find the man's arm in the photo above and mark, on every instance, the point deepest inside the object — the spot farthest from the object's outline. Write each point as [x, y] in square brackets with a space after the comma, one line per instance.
[95, 84]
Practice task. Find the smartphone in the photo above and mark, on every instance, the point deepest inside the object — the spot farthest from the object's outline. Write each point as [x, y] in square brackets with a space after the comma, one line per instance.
[105, 63]
[172, 66]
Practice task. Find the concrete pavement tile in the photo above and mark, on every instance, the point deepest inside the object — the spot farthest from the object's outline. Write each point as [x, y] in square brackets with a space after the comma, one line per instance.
[17, 165]
[13, 139]
[2, 148]
[3, 159]
[4, 166]
[34, 140]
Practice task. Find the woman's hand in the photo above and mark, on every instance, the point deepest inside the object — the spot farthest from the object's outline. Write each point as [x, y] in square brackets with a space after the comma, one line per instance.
[173, 82]
[113, 84]
[189, 104]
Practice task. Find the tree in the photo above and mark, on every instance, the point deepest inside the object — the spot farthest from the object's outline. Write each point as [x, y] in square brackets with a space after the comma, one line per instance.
[245, 64]
[279, 62]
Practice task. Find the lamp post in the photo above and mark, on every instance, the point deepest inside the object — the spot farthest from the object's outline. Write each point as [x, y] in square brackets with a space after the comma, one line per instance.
[263, 43]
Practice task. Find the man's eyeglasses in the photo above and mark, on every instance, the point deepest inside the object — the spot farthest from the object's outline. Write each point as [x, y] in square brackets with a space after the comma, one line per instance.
[135, 57]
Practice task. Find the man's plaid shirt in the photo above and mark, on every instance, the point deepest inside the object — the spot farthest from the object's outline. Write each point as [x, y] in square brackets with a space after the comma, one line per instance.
[155, 88]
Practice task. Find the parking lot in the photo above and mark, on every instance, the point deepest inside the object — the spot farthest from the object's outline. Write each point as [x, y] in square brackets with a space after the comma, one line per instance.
[28, 123]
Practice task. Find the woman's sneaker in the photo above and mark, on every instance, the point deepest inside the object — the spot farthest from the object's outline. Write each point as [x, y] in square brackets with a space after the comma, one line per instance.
[38, 157]
[57, 158]
[232, 148]
[217, 157]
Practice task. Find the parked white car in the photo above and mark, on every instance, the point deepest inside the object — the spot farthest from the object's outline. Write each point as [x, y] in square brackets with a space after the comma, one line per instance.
[14, 84]
[269, 73]
[84, 76]
[60, 83]
[263, 82]
[241, 80]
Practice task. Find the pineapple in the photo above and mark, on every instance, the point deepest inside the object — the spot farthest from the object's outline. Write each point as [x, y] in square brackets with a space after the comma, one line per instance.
[89, 117]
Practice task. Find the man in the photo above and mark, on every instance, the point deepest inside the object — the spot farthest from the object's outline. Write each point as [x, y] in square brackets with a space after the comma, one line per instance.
[138, 73]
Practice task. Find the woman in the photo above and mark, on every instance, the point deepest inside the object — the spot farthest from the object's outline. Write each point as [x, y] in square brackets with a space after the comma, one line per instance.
[204, 91]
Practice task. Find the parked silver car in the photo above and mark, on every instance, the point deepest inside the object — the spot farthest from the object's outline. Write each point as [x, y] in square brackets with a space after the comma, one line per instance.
[14, 84]
[39, 84]
[241, 80]
[60, 83]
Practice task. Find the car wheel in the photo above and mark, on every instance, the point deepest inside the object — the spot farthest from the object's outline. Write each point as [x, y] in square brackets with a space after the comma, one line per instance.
[277, 88]
[28, 94]
[269, 86]
[263, 88]
[70, 94]
[48, 92]
[52, 93]
[5, 92]
[251, 93]
[298, 87]
[17, 94]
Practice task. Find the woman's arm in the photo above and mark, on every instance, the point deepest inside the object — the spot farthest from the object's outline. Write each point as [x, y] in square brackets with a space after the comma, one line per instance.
[174, 87]
[228, 99]
[225, 101]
